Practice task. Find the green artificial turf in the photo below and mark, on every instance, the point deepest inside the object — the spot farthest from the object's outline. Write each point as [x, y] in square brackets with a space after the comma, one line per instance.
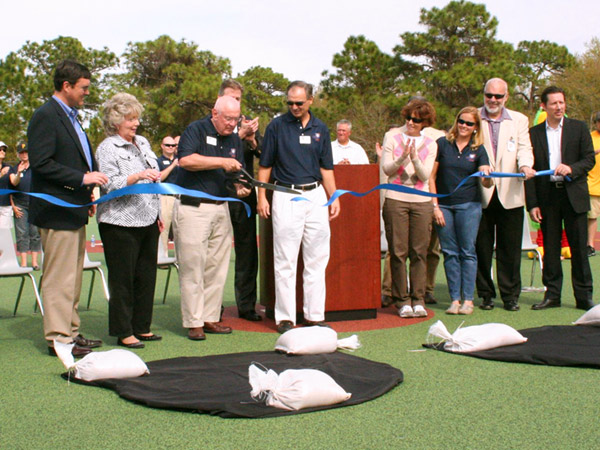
[446, 401]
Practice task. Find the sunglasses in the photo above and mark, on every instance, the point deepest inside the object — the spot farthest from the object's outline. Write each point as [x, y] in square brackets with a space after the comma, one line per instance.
[290, 103]
[170, 145]
[466, 122]
[414, 119]
[496, 96]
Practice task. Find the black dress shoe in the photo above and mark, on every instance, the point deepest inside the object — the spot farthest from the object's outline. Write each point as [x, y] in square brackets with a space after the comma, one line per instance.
[310, 323]
[284, 325]
[137, 344]
[487, 304]
[512, 306]
[546, 303]
[252, 316]
[585, 306]
[76, 351]
[89, 343]
[386, 300]
[151, 337]
[430, 299]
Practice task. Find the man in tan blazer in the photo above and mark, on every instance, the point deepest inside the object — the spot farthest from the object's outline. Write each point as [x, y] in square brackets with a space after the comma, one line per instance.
[506, 139]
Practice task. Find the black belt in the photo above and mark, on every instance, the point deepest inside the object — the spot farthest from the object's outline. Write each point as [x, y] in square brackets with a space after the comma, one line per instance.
[300, 187]
[197, 201]
[558, 184]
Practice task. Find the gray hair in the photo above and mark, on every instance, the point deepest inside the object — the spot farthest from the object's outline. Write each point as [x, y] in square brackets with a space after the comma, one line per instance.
[597, 117]
[308, 88]
[344, 122]
[496, 80]
[117, 109]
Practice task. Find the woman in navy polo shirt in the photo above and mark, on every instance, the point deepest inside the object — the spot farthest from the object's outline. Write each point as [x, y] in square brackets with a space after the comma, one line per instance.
[457, 216]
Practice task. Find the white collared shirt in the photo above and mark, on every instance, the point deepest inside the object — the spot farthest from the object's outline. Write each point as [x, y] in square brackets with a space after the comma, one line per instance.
[554, 136]
[352, 151]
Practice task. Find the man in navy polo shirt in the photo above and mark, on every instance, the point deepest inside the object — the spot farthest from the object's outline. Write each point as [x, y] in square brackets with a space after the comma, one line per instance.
[167, 164]
[297, 153]
[208, 151]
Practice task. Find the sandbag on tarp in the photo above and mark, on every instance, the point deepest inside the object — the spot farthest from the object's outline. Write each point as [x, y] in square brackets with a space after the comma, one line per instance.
[559, 345]
[218, 384]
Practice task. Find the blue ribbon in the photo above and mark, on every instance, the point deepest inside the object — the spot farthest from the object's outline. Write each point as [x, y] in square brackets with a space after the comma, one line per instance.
[134, 189]
[408, 190]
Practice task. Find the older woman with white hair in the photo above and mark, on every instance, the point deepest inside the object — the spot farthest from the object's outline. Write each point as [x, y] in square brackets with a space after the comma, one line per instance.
[129, 225]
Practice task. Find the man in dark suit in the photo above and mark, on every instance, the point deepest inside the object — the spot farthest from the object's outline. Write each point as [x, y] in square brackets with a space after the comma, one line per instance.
[565, 146]
[63, 166]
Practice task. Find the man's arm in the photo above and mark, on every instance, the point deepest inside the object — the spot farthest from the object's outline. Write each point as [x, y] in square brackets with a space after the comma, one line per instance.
[262, 207]
[329, 185]
[166, 172]
[196, 162]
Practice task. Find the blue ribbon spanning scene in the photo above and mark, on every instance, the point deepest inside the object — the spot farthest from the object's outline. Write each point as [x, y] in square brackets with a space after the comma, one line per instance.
[407, 190]
[145, 188]
[173, 189]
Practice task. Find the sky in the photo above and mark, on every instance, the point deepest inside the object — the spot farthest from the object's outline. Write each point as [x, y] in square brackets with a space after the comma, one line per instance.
[297, 39]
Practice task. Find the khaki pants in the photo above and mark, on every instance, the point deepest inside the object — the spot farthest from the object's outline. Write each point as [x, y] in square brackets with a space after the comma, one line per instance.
[64, 251]
[203, 239]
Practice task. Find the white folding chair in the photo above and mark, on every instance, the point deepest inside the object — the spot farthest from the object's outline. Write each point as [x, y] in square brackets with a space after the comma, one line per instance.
[93, 266]
[9, 267]
[527, 245]
[165, 262]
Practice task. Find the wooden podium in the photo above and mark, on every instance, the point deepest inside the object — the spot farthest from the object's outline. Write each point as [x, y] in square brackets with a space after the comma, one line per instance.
[353, 274]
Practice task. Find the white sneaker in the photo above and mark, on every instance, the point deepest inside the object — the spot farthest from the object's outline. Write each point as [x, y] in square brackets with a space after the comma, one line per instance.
[406, 312]
[419, 311]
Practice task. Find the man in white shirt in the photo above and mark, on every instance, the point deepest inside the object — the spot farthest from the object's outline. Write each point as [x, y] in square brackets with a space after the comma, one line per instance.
[346, 151]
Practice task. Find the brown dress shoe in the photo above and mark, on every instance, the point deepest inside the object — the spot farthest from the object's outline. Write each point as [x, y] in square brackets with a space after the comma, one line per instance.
[310, 323]
[76, 351]
[196, 334]
[215, 328]
[89, 343]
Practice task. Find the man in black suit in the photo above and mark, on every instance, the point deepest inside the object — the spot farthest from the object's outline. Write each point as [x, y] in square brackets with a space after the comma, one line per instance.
[565, 146]
[244, 227]
[63, 166]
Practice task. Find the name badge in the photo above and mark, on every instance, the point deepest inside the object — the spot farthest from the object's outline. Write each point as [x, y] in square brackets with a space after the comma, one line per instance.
[305, 140]
[511, 147]
[166, 163]
[211, 140]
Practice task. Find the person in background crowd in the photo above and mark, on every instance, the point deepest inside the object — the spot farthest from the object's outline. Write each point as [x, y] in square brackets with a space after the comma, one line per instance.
[6, 211]
[408, 158]
[344, 150]
[457, 216]
[594, 187]
[168, 165]
[28, 236]
[130, 225]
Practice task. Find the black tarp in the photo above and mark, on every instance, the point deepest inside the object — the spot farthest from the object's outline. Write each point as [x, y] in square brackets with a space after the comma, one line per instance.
[558, 345]
[219, 385]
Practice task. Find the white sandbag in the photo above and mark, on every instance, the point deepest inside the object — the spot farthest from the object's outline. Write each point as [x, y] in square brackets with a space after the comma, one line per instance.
[591, 317]
[476, 338]
[313, 340]
[295, 389]
[98, 365]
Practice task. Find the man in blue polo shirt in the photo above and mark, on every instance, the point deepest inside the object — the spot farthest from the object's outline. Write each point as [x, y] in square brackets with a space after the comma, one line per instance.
[297, 153]
[208, 151]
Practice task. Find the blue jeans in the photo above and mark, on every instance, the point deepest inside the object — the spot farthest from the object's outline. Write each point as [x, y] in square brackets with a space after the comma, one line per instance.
[457, 240]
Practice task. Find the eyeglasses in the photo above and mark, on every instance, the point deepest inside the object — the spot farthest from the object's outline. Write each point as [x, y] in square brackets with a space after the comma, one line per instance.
[414, 119]
[466, 122]
[170, 145]
[496, 96]
[290, 103]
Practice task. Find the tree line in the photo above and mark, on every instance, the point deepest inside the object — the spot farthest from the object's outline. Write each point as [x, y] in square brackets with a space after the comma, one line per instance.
[447, 63]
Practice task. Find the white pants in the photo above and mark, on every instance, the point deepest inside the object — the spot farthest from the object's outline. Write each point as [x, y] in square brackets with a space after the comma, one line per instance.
[203, 240]
[296, 223]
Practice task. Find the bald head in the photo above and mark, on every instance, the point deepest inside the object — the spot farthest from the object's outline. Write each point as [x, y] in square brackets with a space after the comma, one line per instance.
[225, 115]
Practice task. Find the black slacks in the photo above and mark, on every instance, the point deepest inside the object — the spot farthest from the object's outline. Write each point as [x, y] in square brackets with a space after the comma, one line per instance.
[246, 253]
[130, 254]
[505, 228]
[576, 230]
